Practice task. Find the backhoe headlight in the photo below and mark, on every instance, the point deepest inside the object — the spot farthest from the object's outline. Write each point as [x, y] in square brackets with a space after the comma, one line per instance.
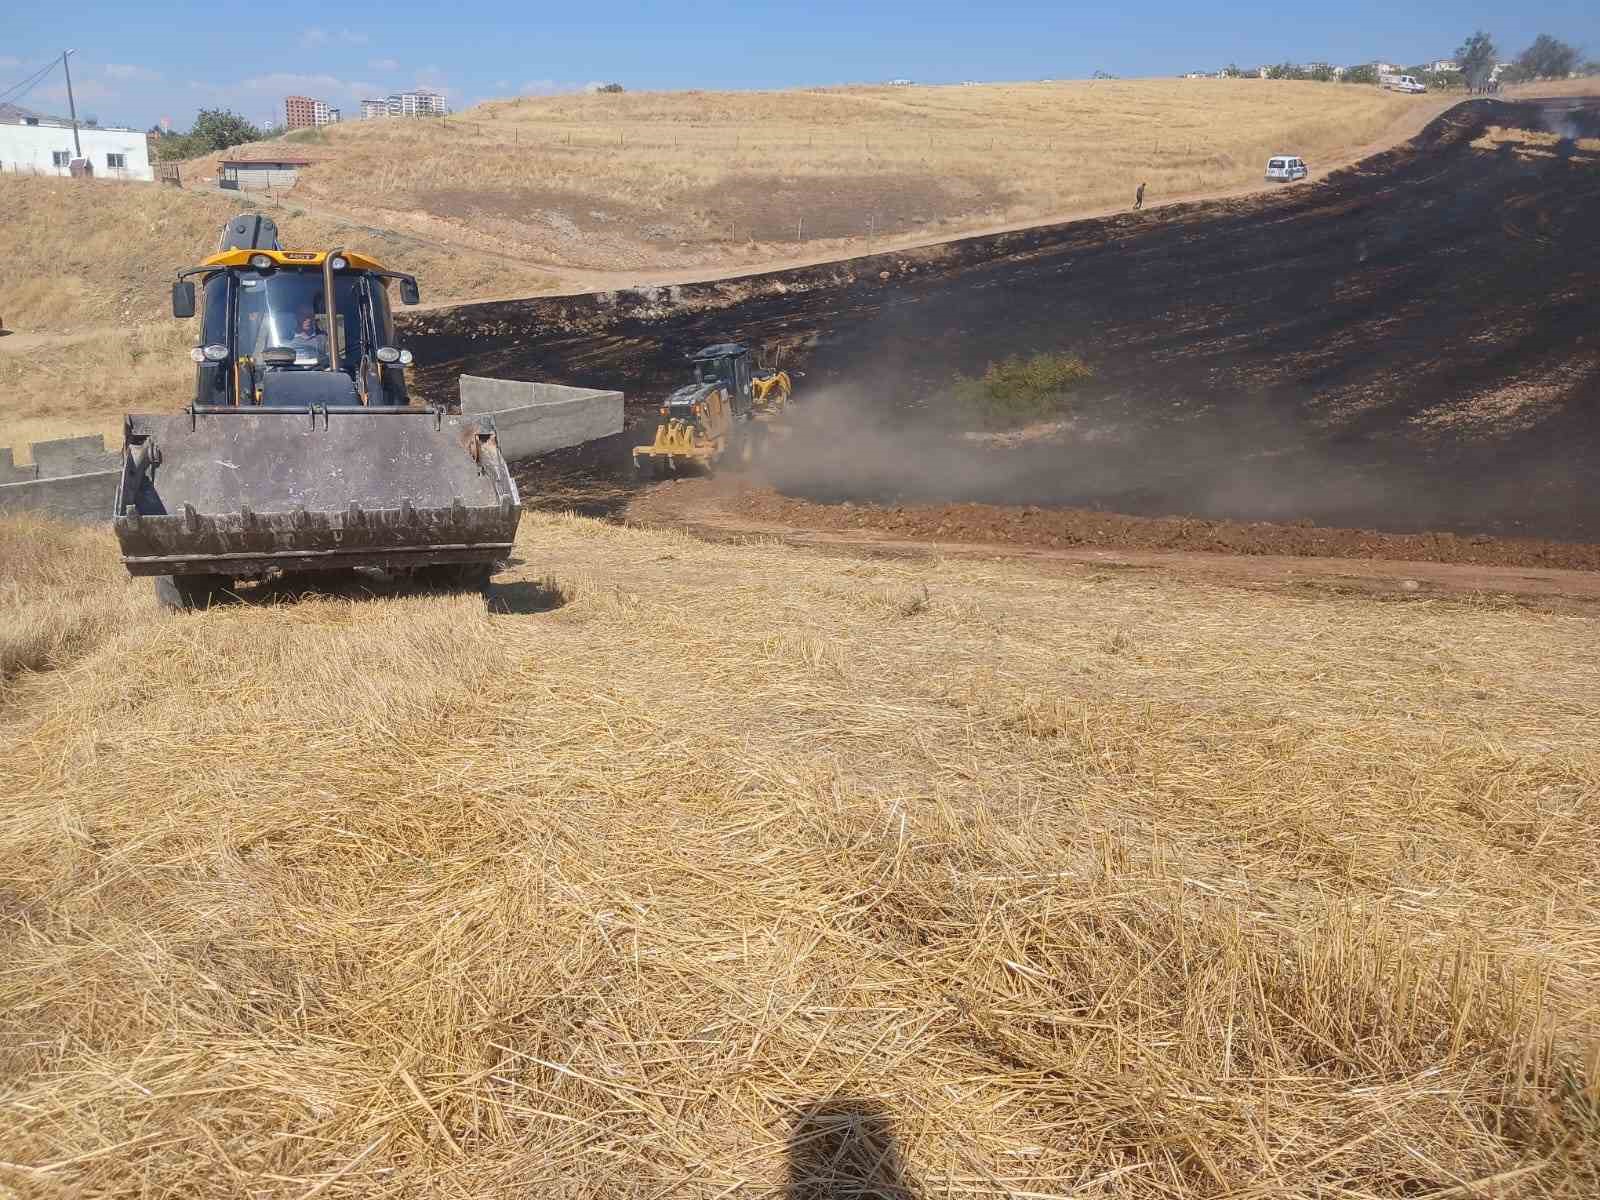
[388, 354]
[216, 352]
[260, 262]
[197, 354]
[339, 263]
[405, 358]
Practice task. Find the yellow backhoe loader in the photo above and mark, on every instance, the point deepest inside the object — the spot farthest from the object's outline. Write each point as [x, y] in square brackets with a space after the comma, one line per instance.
[301, 450]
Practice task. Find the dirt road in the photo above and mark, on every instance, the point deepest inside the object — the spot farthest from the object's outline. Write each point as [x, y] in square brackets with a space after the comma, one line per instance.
[1548, 576]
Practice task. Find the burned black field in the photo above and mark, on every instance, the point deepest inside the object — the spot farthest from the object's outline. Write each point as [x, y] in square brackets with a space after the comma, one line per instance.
[1409, 344]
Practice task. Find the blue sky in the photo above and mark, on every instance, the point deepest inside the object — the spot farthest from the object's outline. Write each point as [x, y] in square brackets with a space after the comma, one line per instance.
[138, 63]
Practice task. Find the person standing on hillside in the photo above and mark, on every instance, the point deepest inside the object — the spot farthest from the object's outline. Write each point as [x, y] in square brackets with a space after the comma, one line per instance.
[1138, 198]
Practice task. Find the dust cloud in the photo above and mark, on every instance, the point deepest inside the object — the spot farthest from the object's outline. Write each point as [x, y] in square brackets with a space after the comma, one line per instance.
[1252, 461]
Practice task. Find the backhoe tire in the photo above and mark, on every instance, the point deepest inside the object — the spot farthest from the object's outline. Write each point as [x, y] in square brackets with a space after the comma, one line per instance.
[457, 577]
[340, 581]
[184, 592]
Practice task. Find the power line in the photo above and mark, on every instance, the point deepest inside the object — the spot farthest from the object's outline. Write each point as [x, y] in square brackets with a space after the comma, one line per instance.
[28, 84]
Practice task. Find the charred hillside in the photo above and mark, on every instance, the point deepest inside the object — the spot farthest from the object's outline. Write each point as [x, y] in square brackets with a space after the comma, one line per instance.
[1410, 343]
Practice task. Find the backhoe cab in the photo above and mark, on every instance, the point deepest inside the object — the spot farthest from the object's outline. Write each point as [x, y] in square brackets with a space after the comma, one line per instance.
[266, 319]
[705, 420]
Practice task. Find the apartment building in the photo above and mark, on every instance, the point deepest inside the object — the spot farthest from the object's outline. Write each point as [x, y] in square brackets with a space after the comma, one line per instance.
[420, 103]
[304, 112]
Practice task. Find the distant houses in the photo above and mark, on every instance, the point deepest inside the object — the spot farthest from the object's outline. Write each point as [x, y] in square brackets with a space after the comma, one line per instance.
[1321, 70]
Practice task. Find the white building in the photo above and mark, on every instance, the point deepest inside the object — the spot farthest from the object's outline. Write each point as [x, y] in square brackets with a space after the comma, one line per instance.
[1441, 65]
[43, 146]
[420, 103]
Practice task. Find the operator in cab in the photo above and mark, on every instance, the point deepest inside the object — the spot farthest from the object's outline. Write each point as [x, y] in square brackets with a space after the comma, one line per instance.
[306, 335]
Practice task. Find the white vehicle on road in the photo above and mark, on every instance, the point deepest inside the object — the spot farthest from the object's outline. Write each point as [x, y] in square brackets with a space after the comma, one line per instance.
[1402, 83]
[1286, 168]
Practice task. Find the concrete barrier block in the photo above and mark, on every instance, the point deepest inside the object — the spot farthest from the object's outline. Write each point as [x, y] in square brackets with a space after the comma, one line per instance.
[535, 418]
[87, 497]
[11, 473]
[72, 456]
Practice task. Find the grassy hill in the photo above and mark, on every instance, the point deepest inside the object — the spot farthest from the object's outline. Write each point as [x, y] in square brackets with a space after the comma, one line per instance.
[720, 870]
[514, 197]
[668, 180]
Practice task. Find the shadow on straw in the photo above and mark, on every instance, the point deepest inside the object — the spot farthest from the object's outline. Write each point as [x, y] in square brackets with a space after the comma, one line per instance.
[527, 596]
[845, 1149]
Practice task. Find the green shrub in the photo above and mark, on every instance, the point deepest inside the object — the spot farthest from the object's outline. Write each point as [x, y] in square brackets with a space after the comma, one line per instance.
[1018, 390]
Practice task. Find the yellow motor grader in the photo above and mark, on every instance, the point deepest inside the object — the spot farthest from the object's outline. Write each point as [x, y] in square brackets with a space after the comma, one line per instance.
[726, 410]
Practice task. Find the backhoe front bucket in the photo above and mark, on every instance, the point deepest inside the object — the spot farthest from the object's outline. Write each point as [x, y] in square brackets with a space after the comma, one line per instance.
[240, 492]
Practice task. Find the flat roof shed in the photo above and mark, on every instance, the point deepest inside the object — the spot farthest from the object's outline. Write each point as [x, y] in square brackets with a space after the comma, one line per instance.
[259, 174]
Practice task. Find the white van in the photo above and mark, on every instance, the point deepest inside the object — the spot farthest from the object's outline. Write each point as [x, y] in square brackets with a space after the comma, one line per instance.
[1285, 168]
[1402, 83]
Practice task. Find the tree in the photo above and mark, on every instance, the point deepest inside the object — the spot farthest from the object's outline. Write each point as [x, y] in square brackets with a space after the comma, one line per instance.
[1547, 58]
[1232, 71]
[1477, 57]
[610, 88]
[1285, 71]
[174, 146]
[218, 128]
[1365, 73]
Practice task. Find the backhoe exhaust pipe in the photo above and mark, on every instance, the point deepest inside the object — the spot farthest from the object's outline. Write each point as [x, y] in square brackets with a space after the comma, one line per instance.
[328, 304]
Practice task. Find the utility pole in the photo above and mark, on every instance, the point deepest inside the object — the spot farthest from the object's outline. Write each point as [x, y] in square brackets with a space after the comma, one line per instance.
[72, 108]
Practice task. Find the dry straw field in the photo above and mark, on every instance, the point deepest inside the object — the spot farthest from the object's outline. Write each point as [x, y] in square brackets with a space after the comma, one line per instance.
[727, 871]
[722, 179]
